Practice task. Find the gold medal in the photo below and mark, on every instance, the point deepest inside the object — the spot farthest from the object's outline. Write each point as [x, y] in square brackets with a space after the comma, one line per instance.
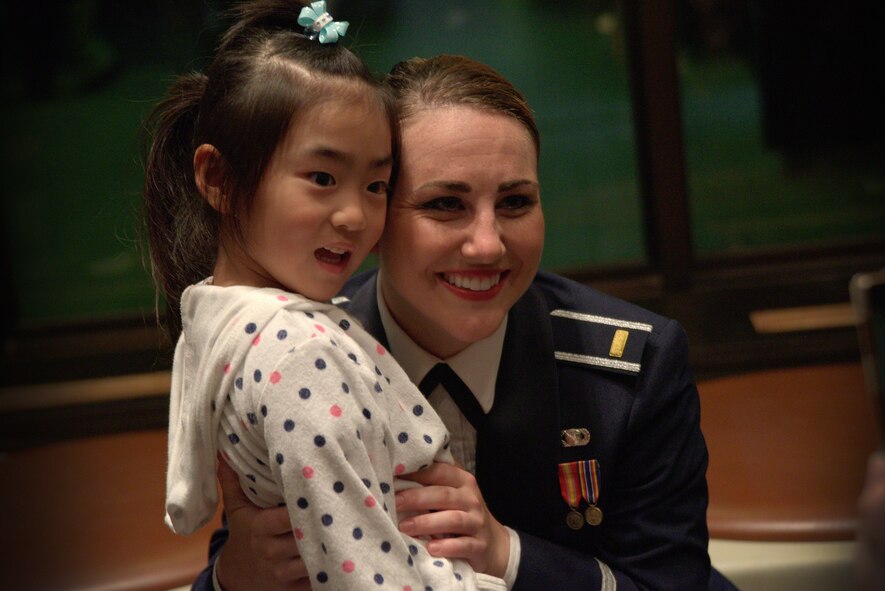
[593, 515]
[574, 520]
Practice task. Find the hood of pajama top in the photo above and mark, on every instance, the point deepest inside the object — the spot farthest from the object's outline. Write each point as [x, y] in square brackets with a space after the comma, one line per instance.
[209, 353]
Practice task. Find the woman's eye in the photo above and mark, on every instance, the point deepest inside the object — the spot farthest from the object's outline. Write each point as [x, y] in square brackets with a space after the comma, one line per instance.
[378, 187]
[515, 202]
[443, 204]
[323, 179]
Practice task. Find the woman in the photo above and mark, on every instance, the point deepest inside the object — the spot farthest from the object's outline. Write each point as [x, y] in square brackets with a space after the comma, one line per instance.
[583, 424]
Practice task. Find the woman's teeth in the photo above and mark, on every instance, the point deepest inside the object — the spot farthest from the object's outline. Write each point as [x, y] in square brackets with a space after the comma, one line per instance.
[473, 283]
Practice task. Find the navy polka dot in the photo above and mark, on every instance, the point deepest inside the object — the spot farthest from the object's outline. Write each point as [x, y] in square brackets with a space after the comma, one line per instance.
[251, 477]
[263, 410]
[367, 483]
[334, 344]
[458, 576]
[344, 324]
[327, 520]
[358, 435]
[345, 387]
[250, 328]
[353, 358]
[338, 487]
[418, 410]
[413, 549]
[304, 393]
[309, 314]
[403, 437]
[385, 488]
[367, 413]
[254, 492]
[233, 438]
[319, 441]
[257, 375]
[282, 335]
[320, 363]
[213, 406]
[379, 579]
[252, 418]
[323, 548]
[239, 383]
[357, 533]
[280, 458]
[437, 563]
[377, 387]
[385, 546]
[260, 462]
[428, 439]
[409, 561]
[302, 503]
[377, 371]
[289, 424]
[322, 577]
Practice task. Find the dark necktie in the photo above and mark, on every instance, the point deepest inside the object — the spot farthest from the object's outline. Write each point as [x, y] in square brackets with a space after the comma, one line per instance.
[457, 389]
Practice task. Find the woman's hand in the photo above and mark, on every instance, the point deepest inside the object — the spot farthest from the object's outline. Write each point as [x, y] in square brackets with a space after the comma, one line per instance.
[451, 504]
[260, 553]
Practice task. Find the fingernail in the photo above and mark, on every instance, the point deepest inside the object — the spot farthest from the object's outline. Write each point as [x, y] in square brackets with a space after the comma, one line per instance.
[406, 526]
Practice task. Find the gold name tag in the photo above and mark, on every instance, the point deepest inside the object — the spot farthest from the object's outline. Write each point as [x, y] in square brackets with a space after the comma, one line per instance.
[618, 343]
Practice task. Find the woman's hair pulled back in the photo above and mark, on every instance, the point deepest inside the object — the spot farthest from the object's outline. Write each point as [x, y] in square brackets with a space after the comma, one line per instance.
[263, 74]
[454, 80]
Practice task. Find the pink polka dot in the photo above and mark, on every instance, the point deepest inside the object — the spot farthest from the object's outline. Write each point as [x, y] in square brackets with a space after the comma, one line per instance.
[282, 298]
[380, 349]
[299, 535]
[399, 469]
[227, 368]
[335, 410]
[370, 501]
[256, 340]
[407, 588]
[275, 377]
[307, 471]
[320, 327]
[348, 566]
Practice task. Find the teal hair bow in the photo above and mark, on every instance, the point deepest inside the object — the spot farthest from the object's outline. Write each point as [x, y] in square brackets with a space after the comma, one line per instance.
[319, 23]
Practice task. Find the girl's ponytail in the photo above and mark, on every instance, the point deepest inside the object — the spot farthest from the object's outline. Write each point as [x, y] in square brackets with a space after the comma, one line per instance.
[182, 228]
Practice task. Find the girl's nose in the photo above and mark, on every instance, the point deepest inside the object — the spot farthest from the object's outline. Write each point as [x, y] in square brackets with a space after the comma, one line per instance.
[350, 214]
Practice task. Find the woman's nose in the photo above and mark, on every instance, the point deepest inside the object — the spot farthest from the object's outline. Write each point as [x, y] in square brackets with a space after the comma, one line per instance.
[485, 243]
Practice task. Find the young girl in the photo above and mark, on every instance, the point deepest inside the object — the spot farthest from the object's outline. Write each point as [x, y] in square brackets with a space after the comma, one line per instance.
[266, 186]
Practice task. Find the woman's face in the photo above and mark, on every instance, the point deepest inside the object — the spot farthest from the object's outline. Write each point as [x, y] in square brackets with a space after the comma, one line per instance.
[464, 229]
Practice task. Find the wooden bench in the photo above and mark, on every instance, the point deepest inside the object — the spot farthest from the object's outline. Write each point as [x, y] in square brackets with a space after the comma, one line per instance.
[87, 514]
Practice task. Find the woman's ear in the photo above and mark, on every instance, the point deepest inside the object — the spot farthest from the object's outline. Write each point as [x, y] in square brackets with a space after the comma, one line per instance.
[209, 176]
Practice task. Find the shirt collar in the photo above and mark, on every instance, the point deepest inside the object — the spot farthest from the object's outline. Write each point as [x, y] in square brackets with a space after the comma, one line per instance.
[477, 365]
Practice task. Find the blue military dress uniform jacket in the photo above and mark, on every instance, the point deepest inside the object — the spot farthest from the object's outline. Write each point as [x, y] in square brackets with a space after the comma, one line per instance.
[562, 368]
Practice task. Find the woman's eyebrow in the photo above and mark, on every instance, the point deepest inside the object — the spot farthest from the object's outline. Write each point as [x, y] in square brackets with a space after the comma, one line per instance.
[454, 186]
[510, 185]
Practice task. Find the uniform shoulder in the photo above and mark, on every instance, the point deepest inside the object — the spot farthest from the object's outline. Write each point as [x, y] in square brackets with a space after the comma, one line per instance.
[594, 329]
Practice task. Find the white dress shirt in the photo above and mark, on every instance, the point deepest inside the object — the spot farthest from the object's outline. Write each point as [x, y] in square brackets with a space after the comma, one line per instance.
[477, 366]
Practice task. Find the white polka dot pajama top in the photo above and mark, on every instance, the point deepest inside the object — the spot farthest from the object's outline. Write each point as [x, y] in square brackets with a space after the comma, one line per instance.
[312, 413]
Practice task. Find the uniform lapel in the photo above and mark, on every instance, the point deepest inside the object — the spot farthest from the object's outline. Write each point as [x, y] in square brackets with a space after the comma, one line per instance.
[518, 448]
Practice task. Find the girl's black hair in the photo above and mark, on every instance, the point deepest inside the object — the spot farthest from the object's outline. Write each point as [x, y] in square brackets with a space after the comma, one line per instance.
[264, 72]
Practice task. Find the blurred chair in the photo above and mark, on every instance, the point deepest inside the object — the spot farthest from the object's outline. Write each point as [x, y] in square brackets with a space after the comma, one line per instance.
[788, 451]
[868, 299]
[87, 514]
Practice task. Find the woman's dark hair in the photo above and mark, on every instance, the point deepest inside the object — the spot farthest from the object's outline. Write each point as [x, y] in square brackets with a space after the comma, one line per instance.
[455, 80]
[264, 72]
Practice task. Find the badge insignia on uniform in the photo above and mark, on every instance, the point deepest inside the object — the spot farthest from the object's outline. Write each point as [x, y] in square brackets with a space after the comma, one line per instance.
[619, 342]
[580, 481]
[576, 437]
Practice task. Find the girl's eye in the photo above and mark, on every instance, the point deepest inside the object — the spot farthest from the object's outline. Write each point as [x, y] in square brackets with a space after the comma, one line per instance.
[378, 187]
[323, 179]
[443, 204]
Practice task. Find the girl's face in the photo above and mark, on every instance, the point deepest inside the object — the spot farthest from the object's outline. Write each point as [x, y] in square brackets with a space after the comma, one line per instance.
[465, 229]
[320, 206]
